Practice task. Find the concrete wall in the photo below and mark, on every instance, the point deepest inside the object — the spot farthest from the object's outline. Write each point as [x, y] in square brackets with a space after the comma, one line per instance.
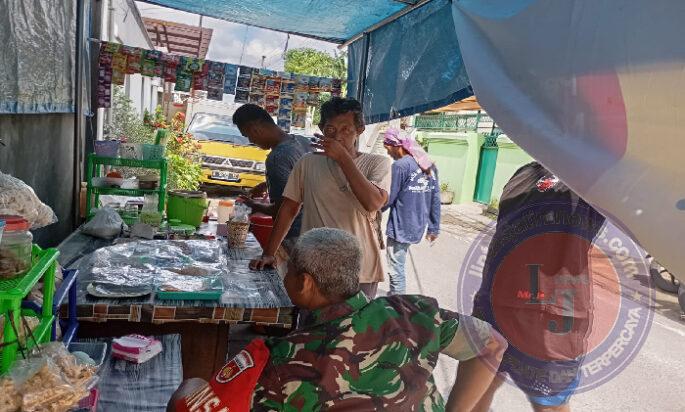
[39, 150]
[456, 157]
[121, 23]
[510, 158]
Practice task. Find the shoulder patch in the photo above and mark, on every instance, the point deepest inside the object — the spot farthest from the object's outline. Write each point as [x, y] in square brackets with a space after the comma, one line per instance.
[239, 364]
[546, 183]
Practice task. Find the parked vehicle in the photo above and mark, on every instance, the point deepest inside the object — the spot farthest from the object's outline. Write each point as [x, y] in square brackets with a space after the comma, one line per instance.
[228, 158]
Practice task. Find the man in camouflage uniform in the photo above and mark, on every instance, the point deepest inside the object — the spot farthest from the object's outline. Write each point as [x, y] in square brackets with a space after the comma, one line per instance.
[352, 354]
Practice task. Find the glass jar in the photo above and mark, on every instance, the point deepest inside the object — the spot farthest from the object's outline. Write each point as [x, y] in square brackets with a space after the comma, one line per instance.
[15, 247]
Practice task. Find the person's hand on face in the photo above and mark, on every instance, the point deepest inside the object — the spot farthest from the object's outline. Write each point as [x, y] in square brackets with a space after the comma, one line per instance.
[330, 147]
[339, 136]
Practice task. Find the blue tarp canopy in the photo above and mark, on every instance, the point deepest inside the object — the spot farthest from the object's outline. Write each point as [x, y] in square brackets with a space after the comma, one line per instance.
[404, 57]
[331, 20]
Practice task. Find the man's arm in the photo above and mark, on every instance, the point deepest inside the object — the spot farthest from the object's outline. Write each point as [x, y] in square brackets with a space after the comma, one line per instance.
[396, 186]
[479, 349]
[284, 220]
[371, 197]
[259, 190]
[270, 209]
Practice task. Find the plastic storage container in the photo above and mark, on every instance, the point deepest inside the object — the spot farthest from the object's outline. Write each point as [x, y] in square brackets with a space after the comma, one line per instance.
[224, 211]
[187, 206]
[153, 152]
[96, 350]
[106, 148]
[15, 247]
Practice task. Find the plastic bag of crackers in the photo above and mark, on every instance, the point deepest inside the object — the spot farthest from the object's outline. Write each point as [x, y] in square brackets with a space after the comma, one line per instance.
[52, 380]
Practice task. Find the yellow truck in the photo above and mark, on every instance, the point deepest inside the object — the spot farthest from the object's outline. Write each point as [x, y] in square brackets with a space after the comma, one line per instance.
[228, 158]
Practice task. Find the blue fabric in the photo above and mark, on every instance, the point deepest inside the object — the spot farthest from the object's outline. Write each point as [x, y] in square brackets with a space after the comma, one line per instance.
[414, 64]
[279, 163]
[559, 399]
[397, 258]
[332, 20]
[414, 202]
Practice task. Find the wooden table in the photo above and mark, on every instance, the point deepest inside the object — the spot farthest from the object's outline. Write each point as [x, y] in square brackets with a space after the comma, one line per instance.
[203, 325]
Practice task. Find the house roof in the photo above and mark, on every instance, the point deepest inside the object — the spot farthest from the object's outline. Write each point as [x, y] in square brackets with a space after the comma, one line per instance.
[179, 38]
[470, 103]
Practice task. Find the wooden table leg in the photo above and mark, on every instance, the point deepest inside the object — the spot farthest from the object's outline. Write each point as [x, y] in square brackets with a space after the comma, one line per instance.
[204, 345]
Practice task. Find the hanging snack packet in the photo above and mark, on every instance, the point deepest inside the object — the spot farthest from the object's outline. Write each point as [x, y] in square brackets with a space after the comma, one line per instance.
[300, 102]
[215, 77]
[242, 96]
[272, 105]
[287, 87]
[151, 65]
[118, 68]
[258, 83]
[302, 83]
[230, 78]
[134, 60]
[313, 99]
[325, 84]
[171, 63]
[200, 77]
[286, 103]
[284, 124]
[110, 47]
[258, 99]
[314, 84]
[336, 88]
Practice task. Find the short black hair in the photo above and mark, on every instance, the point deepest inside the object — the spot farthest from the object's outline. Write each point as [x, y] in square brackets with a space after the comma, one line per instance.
[249, 113]
[339, 105]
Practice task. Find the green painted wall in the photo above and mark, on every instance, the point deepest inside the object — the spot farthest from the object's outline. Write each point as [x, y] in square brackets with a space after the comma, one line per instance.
[456, 156]
[510, 158]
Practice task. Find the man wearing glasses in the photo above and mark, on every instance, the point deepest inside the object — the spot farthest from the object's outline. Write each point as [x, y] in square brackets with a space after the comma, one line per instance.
[337, 187]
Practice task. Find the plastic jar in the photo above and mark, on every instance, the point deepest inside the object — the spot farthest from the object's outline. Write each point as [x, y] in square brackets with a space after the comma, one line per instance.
[224, 211]
[15, 247]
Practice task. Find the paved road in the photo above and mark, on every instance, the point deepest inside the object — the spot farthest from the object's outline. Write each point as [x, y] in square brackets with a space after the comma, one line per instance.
[652, 382]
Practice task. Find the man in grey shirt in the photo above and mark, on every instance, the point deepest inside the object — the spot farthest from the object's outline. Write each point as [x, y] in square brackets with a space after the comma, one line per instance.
[286, 149]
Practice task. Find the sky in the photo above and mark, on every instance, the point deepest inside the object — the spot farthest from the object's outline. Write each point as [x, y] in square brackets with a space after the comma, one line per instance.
[229, 39]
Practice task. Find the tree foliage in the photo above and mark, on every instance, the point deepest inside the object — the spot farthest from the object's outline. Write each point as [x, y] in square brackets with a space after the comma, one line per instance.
[318, 63]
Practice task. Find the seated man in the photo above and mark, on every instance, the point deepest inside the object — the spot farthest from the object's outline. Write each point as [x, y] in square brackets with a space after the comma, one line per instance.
[351, 353]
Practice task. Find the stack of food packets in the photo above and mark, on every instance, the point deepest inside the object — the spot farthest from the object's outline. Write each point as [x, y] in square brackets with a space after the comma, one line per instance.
[136, 348]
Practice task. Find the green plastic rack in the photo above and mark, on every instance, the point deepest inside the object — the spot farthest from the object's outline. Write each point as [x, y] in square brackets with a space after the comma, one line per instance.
[13, 291]
[95, 169]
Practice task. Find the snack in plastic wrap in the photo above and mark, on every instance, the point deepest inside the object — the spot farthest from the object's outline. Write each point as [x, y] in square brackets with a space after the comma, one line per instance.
[53, 380]
[18, 198]
[106, 224]
[241, 213]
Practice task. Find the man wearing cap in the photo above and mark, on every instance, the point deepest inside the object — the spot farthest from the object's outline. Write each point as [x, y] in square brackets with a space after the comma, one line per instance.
[414, 203]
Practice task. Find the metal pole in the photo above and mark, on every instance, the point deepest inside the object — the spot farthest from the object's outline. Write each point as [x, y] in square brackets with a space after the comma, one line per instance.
[362, 70]
[78, 110]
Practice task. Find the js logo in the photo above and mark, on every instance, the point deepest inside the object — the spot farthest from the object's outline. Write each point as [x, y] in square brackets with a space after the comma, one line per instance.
[572, 299]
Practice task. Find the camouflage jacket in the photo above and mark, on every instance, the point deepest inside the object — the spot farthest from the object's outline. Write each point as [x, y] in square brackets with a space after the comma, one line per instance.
[361, 356]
